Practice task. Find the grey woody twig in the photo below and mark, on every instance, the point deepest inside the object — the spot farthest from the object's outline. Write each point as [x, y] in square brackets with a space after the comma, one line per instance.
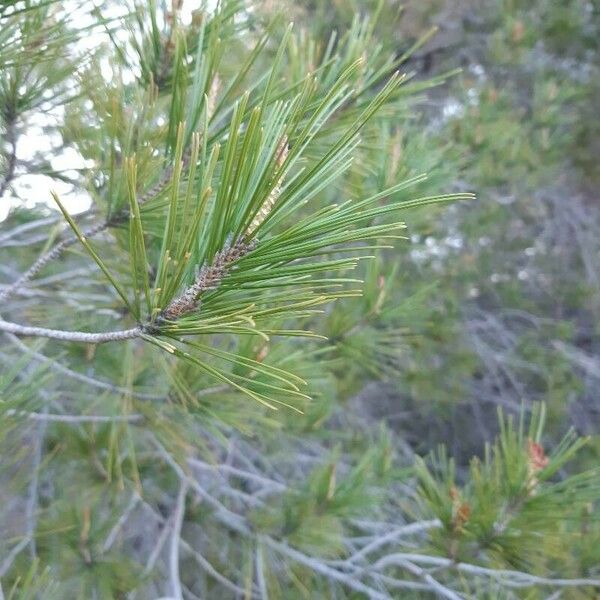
[202, 562]
[175, 538]
[31, 505]
[210, 570]
[320, 567]
[24, 227]
[264, 481]
[70, 336]
[160, 541]
[48, 417]
[382, 540]
[441, 590]
[114, 532]
[8, 561]
[508, 577]
[227, 517]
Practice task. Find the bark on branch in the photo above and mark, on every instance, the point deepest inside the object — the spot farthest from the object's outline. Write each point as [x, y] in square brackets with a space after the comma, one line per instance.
[70, 336]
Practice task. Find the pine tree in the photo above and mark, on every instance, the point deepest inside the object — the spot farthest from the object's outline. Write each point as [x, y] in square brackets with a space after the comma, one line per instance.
[175, 358]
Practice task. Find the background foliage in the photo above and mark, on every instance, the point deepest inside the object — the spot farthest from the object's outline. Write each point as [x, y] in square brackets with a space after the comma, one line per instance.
[211, 147]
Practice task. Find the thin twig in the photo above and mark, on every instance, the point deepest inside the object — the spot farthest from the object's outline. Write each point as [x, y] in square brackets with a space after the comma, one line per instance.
[507, 577]
[19, 229]
[320, 567]
[204, 564]
[160, 542]
[393, 535]
[584, 361]
[175, 539]
[32, 497]
[435, 585]
[70, 336]
[260, 573]
[208, 567]
[227, 517]
[114, 532]
[8, 561]
[405, 584]
[247, 475]
[46, 417]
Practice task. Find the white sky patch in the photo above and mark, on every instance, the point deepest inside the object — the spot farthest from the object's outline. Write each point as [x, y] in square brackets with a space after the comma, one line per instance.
[452, 108]
[38, 140]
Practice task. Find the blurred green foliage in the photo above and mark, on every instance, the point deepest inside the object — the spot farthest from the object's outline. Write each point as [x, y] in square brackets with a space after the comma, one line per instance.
[487, 303]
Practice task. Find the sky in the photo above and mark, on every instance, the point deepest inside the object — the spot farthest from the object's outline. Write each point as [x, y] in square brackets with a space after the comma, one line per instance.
[32, 190]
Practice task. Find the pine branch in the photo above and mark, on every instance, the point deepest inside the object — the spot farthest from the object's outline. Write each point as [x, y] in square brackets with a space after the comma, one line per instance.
[211, 276]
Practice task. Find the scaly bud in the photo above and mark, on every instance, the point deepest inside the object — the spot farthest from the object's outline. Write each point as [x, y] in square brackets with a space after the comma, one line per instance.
[537, 460]
[209, 277]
